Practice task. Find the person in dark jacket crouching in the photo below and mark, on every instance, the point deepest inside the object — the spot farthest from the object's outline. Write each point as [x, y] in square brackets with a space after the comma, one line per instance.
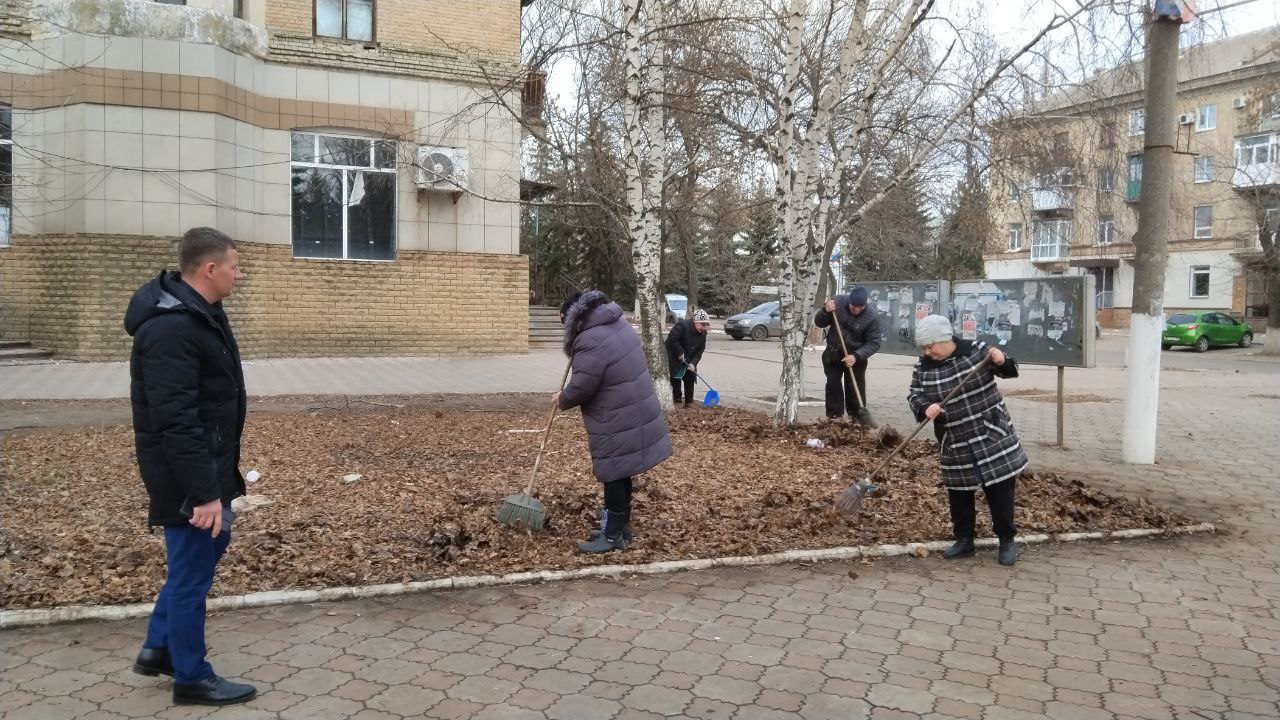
[978, 445]
[187, 391]
[862, 336]
[685, 345]
[626, 431]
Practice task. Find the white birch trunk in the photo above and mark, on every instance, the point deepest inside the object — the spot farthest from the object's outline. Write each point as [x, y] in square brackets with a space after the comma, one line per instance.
[644, 151]
[795, 320]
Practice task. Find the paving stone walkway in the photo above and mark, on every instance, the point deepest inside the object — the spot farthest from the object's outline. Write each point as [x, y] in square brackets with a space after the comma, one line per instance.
[1159, 629]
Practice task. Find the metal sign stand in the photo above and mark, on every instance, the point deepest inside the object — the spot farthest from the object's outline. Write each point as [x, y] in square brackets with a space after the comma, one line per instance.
[1062, 374]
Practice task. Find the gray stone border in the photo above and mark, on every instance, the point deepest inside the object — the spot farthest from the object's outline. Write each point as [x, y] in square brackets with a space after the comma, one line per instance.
[75, 613]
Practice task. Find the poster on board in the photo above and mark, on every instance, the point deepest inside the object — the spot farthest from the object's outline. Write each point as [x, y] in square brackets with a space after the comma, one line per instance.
[900, 305]
[1040, 321]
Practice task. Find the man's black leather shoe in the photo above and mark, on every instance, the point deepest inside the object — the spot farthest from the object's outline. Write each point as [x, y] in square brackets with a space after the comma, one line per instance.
[152, 662]
[213, 691]
[962, 548]
[1008, 553]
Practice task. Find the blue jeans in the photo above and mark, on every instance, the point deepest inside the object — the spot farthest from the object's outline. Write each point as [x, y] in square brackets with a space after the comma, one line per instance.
[177, 623]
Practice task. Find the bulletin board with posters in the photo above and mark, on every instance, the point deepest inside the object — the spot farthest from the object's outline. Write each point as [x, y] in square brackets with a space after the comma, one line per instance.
[1040, 321]
[900, 305]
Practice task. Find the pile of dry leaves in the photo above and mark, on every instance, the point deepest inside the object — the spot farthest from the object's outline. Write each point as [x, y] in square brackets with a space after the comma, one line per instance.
[72, 525]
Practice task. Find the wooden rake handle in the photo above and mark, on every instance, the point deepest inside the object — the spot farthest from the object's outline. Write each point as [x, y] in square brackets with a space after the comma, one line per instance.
[845, 349]
[555, 406]
[968, 376]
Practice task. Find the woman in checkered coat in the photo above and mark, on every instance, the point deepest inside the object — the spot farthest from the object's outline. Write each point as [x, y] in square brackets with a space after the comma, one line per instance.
[976, 439]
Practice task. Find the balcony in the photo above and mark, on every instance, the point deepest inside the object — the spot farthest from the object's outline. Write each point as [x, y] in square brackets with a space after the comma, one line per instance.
[533, 98]
[1247, 245]
[1258, 175]
[1051, 199]
[1049, 252]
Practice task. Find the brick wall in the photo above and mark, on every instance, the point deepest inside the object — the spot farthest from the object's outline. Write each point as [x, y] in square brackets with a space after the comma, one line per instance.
[446, 29]
[69, 295]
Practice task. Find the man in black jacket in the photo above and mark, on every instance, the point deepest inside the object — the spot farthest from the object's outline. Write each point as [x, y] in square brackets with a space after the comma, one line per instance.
[862, 335]
[685, 344]
[188, 397]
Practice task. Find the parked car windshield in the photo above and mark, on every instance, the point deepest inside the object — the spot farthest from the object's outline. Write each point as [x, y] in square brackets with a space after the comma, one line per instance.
[1181, 319]
[763, 309]
[677, 304]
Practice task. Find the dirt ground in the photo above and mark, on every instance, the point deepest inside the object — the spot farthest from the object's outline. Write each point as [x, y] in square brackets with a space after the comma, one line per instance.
[432, 472]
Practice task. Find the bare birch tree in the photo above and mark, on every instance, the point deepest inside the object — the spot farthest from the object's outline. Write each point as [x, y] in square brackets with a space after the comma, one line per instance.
[846, 102]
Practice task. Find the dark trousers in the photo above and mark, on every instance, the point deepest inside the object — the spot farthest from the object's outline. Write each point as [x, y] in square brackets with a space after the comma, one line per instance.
[690, 377]
[999, 501]
[617, 506]
[177, 623]
[840, 395]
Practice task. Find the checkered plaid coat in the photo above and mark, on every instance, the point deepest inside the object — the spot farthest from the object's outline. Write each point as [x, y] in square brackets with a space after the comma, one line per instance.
[979, 446]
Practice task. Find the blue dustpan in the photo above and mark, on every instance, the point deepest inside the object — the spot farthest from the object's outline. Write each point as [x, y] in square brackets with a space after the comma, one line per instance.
[713, 398]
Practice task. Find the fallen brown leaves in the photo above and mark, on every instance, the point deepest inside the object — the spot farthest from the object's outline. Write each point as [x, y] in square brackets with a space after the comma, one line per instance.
[72, 522]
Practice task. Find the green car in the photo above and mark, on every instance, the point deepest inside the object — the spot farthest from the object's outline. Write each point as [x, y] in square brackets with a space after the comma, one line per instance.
[1201, 329]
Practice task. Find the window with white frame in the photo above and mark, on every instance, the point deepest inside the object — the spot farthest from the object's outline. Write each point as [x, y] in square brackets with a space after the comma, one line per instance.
[1204, 169]
[1203, 215]
[1014, 192]
[1137, 122]
[344, 197]
[1199, 281]
[1106, 180]
[1106, 229]
[1254, 150]
[1049, 239]
[1206, 118]
[6, 171]
[1275, 105]
[1015, 236]
[345, 19]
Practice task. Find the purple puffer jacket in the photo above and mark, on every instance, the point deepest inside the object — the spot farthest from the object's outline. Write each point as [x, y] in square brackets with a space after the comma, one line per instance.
[626, 431]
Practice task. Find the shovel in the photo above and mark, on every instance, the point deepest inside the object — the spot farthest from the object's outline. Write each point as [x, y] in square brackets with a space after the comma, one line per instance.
[852, 498]
[713, 398]
[864, 415]
[524, 510]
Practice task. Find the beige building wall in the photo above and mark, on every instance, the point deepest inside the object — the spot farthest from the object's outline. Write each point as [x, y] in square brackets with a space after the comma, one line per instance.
[126, 136]
[1075, 135]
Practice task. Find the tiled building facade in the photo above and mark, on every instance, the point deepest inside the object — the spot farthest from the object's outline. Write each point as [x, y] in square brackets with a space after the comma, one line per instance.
[1069, 204]
[301, 128]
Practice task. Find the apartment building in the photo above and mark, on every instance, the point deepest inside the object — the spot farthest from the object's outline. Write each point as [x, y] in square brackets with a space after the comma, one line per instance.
[1069, 175]
[364, 153]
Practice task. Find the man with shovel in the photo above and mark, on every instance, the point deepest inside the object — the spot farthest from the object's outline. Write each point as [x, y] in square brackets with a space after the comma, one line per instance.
[862, 334]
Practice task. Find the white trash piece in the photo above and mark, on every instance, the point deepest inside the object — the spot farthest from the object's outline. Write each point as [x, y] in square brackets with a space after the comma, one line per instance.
[815, 443]
[252, 476]
[351, 478]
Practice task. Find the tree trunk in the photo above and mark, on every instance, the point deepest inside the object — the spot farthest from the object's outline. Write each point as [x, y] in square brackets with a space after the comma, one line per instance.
[644, 225]
[1142, 386]
[799, 279]
[1272, 345]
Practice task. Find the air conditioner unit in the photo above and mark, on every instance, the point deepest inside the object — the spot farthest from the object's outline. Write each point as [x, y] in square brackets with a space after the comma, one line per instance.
[442, 169]
[1239, 103]
[1186, 119]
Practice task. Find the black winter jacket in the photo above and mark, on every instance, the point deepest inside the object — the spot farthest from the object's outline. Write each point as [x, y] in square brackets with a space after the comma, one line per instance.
[684, 340]
[187, 391]
[862, 333]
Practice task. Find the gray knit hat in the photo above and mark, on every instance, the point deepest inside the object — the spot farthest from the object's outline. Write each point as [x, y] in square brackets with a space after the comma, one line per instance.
[932, 329]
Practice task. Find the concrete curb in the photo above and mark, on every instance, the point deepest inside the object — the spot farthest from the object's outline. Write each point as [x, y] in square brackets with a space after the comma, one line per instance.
[75, 613]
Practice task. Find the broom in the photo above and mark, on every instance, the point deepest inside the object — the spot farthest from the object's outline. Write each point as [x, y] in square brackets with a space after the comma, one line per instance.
[524, 510]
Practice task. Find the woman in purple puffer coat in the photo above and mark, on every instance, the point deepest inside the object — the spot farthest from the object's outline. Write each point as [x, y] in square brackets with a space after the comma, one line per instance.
[626, 431]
